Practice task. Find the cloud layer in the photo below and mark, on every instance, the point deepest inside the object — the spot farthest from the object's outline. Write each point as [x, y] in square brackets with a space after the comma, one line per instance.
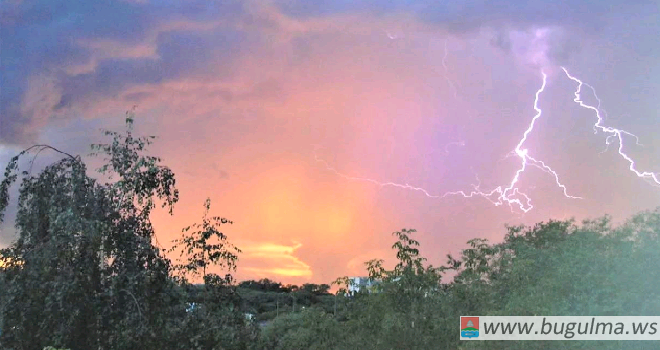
[75, 51]
[435, 94]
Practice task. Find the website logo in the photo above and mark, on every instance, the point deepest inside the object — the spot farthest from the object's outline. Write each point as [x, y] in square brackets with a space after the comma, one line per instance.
[469, 327]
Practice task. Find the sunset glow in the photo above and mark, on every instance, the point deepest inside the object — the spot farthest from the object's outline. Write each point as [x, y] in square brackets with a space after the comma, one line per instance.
[247, 97]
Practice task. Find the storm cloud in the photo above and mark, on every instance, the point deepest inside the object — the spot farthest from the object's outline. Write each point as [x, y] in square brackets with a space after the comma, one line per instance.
[98, 49]
[289, 114]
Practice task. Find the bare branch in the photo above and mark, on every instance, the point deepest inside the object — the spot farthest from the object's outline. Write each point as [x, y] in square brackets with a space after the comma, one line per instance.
[134, 299]
[49, 147]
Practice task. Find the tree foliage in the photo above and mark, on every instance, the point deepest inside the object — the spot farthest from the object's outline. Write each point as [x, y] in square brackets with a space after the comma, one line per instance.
[84, 272]
[551, 268]
[205, 246]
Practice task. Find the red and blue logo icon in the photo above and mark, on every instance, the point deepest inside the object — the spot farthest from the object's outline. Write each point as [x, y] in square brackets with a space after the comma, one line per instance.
[469, 327]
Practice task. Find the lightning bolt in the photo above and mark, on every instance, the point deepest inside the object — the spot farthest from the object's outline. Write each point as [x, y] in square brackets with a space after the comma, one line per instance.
[457, 143]
[614, 133]
[511, 195]
[444, 65]
[381, 184]
[604, 116]
[500, 195]
[453, 87]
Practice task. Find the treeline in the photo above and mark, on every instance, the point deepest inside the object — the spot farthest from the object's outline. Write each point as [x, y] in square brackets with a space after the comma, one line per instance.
[84, 273]
[265, 300]
[266, 285]
[554, 268]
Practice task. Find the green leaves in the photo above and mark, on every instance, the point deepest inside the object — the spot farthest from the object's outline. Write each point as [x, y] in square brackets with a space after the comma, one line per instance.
[141, 178]
[85, 268]
[84, 264]
[309, 329]
[205, 246]
[551, 268]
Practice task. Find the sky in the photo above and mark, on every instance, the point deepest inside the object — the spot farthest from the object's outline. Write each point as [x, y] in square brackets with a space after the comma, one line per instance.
[321, 127]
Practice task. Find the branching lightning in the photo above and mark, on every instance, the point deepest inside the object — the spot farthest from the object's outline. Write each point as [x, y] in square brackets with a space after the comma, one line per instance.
[510, 194]
[457, 143]
[391, 36]
[453, 87]
[614, 133]
[381, 184]
[444, 65]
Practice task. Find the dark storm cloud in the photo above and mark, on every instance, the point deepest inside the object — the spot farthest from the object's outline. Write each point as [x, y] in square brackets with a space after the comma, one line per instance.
[110, 77]
[466, 15]
[184, 53]
[308, 9]
[180, 54]
[46, 38]
[42, 37]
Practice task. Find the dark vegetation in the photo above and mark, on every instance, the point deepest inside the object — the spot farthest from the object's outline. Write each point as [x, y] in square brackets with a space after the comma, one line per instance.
[267, 299]
[84, 273]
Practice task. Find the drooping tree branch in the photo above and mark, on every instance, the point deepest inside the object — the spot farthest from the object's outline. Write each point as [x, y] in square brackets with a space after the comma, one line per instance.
[48, 147]
[10, 175]
[135, 300]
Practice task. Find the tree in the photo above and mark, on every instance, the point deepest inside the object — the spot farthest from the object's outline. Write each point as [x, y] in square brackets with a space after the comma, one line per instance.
[84, 272]
[218, 319]
[400, 310]
[309, 329]
[206, 246]
[84, 253]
